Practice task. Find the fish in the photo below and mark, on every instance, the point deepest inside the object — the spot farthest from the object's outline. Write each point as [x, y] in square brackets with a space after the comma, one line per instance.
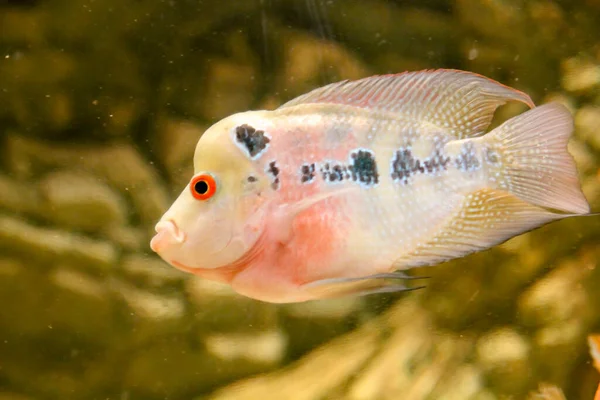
[341, 190]
[594, 343]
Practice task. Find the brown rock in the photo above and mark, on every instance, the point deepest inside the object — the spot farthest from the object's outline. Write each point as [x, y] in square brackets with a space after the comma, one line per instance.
[73, 298]
[20, 197]
[129, 238]
[306, 56]
[119, 165]
[179, 367]
[150, 306]
[556, 297]
[266, 347]
[151, 272]
[586, 124]
[580, 75]
[14, 396]
[217, 308]
[22, 26]
[81, 201]
[18, 237]
[229, 88]
[311, 324]
[504, 356]
[154, 315]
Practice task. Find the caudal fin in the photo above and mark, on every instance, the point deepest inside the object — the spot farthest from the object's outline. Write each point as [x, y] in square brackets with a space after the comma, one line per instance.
[528, 157]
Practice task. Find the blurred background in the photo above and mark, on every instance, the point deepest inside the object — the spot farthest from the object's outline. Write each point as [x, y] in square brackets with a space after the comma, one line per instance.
[101, 105]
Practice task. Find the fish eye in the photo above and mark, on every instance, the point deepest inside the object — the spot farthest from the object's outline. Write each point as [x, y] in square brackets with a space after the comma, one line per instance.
[203, 187]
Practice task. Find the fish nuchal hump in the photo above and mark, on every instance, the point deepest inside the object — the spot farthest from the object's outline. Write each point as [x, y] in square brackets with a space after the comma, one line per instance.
[253, 141]
[459, 102]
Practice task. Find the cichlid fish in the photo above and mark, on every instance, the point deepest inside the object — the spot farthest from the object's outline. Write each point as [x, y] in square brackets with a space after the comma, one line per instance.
[339, 190]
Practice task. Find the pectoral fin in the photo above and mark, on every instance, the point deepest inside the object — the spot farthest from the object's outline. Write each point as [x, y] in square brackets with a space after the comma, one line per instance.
[284, 216]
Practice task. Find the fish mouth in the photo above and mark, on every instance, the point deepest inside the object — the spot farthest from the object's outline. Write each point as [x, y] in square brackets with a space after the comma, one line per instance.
[167, 234]
[171, 226]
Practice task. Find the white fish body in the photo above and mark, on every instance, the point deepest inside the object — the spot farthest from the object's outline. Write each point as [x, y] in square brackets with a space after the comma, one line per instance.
[386, 173]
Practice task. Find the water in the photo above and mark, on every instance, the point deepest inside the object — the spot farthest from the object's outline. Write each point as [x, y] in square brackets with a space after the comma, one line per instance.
[101, 104]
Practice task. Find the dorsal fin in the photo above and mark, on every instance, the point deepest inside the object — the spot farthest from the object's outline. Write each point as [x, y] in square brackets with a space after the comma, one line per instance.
[461, 102]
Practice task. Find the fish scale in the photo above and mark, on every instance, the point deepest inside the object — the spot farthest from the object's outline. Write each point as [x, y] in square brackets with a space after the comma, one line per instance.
[410, 212]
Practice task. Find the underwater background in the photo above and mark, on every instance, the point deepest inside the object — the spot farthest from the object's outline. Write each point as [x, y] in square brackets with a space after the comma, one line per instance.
[101, 105]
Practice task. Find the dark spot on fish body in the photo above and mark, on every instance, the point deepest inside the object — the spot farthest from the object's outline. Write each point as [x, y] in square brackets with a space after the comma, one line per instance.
[467, 159]
[352, 173]
[364, 167]
[437, 163]
[404, 165]
[334, 172]
[273, 170]
[338, 172]
[491, 156]
[255, 141]
[325, 171]
[307, 173]
[420, 169]
[428, 165]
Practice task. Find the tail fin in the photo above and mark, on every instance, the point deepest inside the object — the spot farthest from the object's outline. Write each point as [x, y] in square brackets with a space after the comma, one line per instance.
[528, 157]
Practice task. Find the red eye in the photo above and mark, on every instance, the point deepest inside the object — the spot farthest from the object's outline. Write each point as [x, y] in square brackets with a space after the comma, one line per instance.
[203, 187]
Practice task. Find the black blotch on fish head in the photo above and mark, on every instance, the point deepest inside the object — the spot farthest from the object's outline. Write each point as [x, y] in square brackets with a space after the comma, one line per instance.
[254, 140]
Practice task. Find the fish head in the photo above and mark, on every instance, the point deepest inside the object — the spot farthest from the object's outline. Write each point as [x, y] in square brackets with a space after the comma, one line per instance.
[221, 213]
